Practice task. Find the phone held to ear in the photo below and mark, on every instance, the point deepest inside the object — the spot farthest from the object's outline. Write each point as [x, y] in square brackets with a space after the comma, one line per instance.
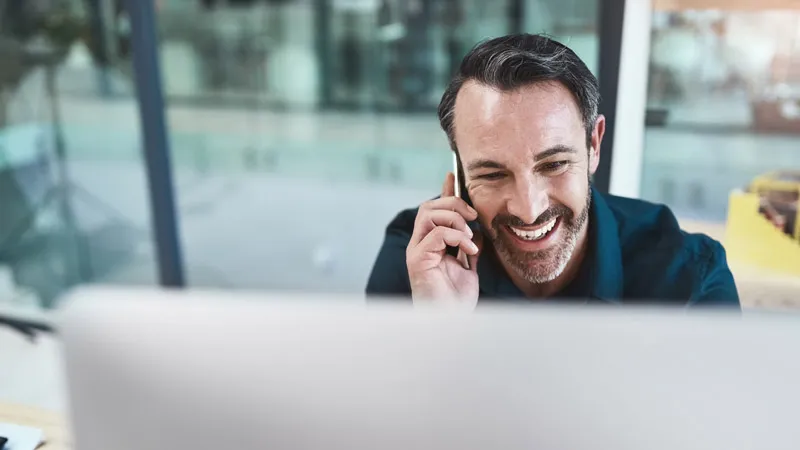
[460, 190]
[460, 184]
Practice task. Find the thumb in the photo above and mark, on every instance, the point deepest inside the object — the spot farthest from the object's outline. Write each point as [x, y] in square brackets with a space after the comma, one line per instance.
[473, 259]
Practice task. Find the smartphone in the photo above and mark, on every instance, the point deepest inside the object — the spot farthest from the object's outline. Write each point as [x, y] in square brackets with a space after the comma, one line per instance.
[460, 184]
[460, 190]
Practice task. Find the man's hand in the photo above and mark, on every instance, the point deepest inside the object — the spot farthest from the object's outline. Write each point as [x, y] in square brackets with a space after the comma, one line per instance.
[435, 275]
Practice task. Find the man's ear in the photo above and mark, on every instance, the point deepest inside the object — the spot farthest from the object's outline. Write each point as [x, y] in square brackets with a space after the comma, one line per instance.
[597, 139]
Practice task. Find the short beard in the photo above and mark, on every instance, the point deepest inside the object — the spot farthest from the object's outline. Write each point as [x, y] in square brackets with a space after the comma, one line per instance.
[546, 265]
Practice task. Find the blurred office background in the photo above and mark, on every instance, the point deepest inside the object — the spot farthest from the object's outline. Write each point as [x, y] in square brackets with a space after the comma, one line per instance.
[298, 128]
[722, 103]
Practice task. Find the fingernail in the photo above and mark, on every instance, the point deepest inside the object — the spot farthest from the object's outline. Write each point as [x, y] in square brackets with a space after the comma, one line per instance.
[474, 247]
[469, 230]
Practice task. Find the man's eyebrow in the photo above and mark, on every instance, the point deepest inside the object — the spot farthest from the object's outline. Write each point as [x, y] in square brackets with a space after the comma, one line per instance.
[484, 164]
[491, 164]
[554, 151]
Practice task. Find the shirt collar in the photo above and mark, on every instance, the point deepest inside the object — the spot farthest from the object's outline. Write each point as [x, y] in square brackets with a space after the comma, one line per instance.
[601, 269]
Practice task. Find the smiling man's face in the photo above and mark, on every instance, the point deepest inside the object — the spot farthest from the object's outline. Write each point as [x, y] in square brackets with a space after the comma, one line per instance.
[527, 168]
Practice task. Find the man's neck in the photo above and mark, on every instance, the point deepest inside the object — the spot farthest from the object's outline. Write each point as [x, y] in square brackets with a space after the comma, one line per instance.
[544, 290]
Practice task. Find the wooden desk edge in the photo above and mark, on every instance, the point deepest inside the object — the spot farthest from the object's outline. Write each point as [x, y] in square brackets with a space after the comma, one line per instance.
[53, 424]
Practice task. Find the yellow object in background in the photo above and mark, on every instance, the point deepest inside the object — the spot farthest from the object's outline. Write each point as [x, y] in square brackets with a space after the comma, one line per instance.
[763, 227]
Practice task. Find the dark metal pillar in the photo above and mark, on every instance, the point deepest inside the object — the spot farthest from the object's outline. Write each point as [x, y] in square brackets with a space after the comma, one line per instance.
[610, 20]
[144, 45]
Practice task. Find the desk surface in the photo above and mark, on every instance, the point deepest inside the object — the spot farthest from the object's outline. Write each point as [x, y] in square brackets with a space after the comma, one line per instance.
[53, 424]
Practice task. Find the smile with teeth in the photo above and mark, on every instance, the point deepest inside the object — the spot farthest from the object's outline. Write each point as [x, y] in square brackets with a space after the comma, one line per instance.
[537, 234]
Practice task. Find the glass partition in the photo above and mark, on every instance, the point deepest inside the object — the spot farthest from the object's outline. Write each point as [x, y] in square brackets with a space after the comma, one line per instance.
[305, 126]
[722, 101]
[73, 204]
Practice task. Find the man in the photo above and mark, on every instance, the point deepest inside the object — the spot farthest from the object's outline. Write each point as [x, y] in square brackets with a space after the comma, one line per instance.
[521, 115]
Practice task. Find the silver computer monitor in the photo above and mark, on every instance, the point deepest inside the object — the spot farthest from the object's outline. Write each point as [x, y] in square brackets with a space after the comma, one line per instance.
[202, 370]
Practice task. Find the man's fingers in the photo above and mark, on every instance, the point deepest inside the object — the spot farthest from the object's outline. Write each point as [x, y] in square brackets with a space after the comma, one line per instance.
[449, 203]
[470, 262]
[473, 259]
[448, 188]
[441, 237]
[438, 217]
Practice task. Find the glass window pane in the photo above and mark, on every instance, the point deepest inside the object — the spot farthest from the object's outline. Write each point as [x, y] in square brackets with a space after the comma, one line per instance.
[300, 128]
[72, 186]
[721, 104]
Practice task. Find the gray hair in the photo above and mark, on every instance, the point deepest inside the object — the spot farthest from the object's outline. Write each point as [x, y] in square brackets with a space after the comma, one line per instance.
[518, 60]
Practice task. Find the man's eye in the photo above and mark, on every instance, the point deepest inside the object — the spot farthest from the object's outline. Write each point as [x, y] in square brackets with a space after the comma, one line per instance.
[554, 166]
[491, 176]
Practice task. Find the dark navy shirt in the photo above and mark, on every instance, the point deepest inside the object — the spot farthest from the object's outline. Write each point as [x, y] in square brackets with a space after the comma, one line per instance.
[637, 254]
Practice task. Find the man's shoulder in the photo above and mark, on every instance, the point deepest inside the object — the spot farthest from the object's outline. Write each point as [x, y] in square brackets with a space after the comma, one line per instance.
[403, 223]
[659, 258]
[648, 226]
[389, 276]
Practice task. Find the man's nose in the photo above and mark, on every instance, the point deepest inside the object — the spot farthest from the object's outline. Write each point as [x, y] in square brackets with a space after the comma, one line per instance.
[528, 201]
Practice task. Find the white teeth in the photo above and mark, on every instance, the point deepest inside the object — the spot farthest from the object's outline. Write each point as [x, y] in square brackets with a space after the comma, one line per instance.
[535, 234]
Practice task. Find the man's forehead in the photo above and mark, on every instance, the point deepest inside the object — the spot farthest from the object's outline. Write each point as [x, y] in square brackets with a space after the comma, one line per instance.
[538, 115]
[550, 102]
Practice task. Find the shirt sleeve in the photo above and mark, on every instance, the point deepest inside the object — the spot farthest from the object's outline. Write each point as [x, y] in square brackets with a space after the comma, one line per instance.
[717, 287]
